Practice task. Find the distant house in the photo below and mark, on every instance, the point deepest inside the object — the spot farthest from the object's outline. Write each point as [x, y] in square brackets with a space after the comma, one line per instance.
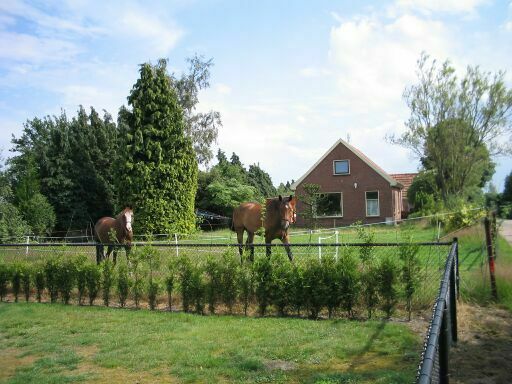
[352, 188]
[406, 180]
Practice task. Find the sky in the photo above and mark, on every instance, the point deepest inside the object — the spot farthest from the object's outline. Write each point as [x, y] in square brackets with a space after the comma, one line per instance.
[290, 78]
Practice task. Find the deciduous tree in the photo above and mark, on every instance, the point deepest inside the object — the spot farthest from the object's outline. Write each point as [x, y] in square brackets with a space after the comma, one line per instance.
[456, 126]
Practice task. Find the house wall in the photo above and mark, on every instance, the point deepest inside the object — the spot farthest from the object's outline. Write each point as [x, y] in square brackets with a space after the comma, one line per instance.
[354, 203]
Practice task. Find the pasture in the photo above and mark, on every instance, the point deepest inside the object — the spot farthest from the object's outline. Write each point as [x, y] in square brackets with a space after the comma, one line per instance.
[61, 343]
[42, 343]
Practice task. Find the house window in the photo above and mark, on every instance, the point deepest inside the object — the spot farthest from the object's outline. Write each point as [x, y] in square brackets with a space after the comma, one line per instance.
[372, 204]
[341, 167]
[329, 205]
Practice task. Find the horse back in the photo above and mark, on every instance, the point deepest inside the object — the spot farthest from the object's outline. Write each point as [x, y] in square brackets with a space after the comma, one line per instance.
[102, 229]
[247, 216]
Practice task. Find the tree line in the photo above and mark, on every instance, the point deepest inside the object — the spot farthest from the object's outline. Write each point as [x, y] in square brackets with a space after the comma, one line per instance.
[67, 172]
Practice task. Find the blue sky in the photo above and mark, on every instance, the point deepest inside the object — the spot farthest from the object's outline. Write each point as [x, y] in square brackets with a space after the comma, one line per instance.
[290, 77]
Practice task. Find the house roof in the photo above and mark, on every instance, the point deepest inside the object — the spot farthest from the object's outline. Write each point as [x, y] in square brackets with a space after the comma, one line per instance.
[405, 179]
[358, 153]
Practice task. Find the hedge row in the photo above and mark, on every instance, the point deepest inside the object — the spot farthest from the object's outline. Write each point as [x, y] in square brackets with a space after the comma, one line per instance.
[356, 279]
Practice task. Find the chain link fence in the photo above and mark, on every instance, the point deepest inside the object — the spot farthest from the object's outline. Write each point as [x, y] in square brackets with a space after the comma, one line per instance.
[442, 333]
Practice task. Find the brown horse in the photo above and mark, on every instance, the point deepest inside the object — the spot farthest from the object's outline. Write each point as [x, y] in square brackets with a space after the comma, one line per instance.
[109, 231]
[279, 214]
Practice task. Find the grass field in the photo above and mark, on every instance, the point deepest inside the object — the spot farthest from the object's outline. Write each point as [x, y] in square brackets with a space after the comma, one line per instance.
[474, 268]
[41, 343]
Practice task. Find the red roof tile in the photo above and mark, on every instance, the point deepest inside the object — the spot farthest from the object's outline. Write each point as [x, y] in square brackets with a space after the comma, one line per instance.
[405, 179]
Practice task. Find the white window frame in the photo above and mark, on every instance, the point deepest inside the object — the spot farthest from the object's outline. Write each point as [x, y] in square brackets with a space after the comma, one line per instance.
[334, 167]
[366, 203]
[331, 216]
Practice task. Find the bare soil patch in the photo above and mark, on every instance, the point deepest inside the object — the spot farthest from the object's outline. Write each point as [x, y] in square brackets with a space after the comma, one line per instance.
[483, 353]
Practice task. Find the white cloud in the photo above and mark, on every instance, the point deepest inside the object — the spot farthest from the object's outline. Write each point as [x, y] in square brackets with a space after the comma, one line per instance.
[31, 49]
[374, 59]
[223, 89]
[46, 22]
[161, 35]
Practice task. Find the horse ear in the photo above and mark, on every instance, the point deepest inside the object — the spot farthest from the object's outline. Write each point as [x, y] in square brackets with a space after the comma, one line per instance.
[291, 198]
[280, 198]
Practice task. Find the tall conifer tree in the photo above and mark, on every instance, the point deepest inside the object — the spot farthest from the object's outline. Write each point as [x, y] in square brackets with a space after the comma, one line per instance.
[157, 172]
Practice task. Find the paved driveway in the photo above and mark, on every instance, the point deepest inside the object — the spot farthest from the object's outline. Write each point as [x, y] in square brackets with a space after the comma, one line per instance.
[506, 230]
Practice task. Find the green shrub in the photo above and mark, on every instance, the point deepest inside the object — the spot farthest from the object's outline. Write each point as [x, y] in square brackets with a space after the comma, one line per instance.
[263, 283]
[39, 280]
[332, 284]
[26, 280]
[51, 275]
[246, 284]
[170, 281]
[369, 269]
[81, 278]
[349, 280]
[5, 277]
[92, 281]
[16, 275]
[66, 277]
[153, 290]
[281, 283]
[136, 269]
[213, 270]
[107, 280]
[123, 283]
[297, 288]
[198, 289]
[185, 272]
[229, 278]
[315, 291]
[410, 269]
[388, 277]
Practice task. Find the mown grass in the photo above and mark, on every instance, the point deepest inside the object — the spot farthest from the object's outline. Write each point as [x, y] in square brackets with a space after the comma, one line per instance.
[84, 344]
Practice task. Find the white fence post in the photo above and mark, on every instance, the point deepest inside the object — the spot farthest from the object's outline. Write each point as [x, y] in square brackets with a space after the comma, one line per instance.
[26, 250]
[319, 248]
[176, 242]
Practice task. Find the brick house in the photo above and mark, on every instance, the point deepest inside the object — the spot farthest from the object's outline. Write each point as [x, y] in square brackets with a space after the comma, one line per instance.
[352, 188]
[406, 180]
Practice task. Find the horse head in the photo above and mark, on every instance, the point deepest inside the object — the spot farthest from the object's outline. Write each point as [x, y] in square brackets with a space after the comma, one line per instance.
[127, 216]
[287, 211]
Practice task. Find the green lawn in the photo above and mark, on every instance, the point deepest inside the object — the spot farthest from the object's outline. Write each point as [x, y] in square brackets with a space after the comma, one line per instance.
[42, 343]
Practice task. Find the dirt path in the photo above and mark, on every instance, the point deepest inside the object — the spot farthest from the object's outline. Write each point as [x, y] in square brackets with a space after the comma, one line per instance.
[506, 230]
[483, 354]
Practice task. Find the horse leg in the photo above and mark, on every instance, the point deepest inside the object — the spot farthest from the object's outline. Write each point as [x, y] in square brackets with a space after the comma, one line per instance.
[99, 253]
[109, 251]
[240, 239]
[287, 247]
[268, 247]
[250, 244]
[128, 248]
[115, 255]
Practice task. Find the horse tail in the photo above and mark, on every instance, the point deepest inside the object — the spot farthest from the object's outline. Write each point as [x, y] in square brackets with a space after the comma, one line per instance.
[231, 224]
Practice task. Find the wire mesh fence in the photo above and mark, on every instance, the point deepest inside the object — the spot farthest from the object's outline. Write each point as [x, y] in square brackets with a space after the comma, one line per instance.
[442, 332]
[431, 257]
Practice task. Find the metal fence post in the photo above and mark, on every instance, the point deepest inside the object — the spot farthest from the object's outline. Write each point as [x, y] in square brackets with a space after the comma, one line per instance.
[457, 277]
[490, 257]
[443, 348]
[453, 304]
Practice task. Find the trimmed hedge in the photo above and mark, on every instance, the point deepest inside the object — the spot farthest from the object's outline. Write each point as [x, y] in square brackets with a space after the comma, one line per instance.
[354, 282]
